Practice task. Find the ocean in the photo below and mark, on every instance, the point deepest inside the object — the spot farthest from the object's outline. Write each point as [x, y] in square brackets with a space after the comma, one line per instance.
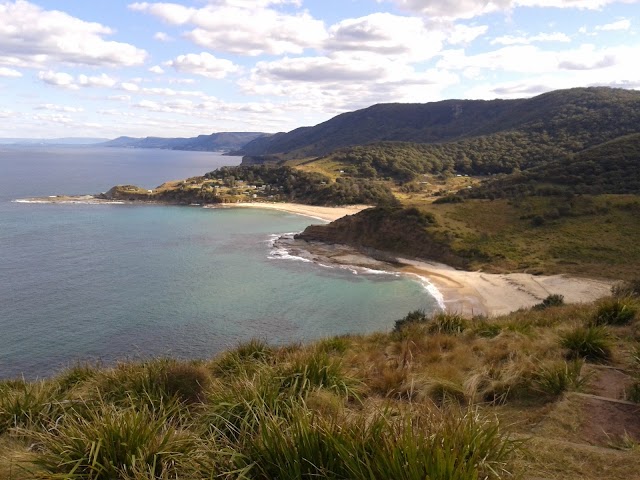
[104, 283]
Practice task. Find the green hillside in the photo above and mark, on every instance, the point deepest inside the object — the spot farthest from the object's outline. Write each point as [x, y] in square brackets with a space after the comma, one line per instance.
[570, 120]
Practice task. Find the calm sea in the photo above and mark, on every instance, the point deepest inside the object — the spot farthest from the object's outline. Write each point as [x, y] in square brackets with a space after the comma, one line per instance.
[110, 282]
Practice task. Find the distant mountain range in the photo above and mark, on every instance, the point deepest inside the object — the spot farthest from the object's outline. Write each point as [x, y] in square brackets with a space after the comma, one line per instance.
[575, 119]
[52, 141]
[223, 141]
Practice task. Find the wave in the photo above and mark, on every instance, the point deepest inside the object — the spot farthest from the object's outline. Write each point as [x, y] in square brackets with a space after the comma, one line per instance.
[280, 252]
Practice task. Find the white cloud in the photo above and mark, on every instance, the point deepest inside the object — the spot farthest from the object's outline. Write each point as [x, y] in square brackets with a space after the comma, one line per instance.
[9, 72]
[156, 69]
[242, 27]
[528, 59]
[526, 40]
[102, 80]
[162, 37]
[454, 9]
[129, 87]
[59, 108]
[120, 98]
[58, 79]
[32, 36]
[464, 34]
[65, 80]
[619, 25]
[203, 64]
[343, 82]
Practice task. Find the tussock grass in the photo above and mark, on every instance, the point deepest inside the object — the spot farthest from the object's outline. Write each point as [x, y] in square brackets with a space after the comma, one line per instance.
[558, 378]
[591, 343]
[107, 441]
[615, 311]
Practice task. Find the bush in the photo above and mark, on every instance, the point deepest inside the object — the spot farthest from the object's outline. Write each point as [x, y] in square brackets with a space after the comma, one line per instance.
[416, 316]
[553, 300]
[591, 343]
[614, 311]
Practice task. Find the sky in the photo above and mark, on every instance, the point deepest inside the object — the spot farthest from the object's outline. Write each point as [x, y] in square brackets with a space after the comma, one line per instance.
[106, 68]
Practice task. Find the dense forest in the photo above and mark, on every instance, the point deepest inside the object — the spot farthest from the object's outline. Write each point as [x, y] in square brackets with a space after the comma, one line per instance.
[613, 167]
[289, 184]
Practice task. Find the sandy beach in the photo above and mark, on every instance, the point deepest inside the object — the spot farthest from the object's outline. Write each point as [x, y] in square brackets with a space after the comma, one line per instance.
[328, 214]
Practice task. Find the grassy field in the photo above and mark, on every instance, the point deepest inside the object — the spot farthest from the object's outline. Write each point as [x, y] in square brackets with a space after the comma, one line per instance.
[439, 397]
[588, 236]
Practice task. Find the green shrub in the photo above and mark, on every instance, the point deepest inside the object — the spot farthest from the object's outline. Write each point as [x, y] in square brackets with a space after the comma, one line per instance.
[591, 343]
[76, 375]
[614, 311]
[413, 317]
[560, 378]
[553, 300]
[633, 395]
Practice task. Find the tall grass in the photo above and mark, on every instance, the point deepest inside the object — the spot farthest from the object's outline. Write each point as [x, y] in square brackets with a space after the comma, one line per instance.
[110, 442]
[614, 311]
[591, 343]
[556, 379]
[154, 382]
[29, 405]
[410, 445]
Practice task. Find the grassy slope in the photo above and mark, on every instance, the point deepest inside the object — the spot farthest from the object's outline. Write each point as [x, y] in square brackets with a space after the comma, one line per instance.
[264, 410]
[595, 237]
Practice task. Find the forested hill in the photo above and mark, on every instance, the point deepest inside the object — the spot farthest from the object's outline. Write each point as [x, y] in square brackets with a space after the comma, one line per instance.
[577, 118]
[612, 167]
[205, 143]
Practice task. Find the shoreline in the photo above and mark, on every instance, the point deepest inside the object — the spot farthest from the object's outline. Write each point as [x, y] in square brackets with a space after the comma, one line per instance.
[465, 292]
[327, 214]
[458, 291]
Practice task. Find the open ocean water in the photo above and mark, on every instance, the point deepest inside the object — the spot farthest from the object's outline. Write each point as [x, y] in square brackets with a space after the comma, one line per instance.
[102, 283]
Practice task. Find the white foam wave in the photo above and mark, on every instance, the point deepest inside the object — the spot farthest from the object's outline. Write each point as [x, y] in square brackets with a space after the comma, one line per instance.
[282, 253]
[431, 289]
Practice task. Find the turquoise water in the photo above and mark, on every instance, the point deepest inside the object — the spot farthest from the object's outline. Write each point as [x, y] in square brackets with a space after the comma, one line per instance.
[109, 282]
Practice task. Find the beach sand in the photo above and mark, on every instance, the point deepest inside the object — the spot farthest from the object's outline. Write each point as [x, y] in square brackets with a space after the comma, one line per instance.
[328, 214]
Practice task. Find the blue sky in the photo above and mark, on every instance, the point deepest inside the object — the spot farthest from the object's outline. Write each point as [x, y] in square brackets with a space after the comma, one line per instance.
[183, 68]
